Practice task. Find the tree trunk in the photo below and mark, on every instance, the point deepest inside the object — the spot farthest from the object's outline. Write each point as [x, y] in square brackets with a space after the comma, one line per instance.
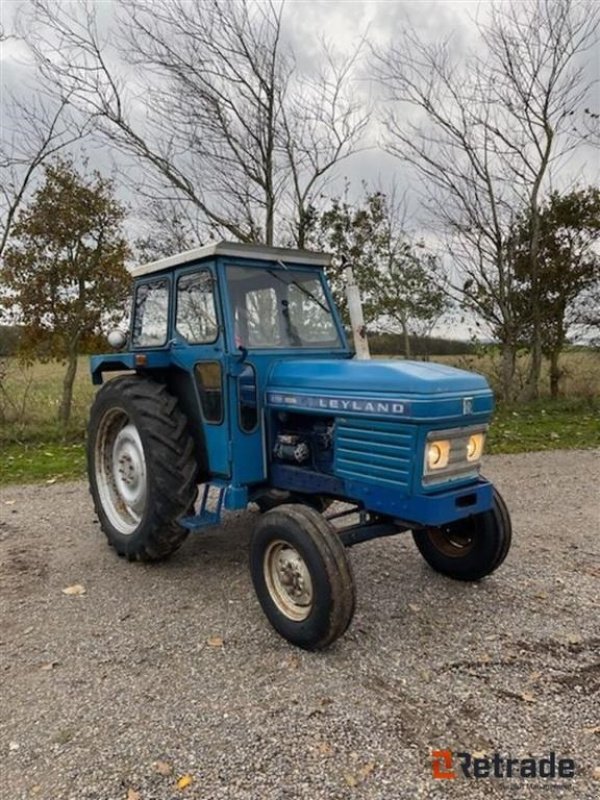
[555, 373]
[509, 360]
[269, 159]
[301, 232]
[406, 337]
[532, 386]
[64, 411]
[270, 216]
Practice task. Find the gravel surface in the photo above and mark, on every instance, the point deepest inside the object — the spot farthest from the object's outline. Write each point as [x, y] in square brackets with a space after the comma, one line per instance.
[95, 689]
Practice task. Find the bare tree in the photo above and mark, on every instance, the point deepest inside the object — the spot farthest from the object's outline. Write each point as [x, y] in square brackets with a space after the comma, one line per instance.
[215, 108]
[33, 130]
[484, 133]
[168, 225]
[320, 127]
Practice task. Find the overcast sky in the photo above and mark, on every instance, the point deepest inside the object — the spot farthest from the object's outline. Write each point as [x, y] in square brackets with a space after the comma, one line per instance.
[343, 23]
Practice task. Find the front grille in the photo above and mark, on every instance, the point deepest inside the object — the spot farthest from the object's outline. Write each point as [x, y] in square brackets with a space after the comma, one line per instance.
[458, 466]
[374, 451]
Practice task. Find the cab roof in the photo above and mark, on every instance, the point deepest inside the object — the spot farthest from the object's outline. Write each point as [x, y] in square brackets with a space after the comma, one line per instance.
[255, 252]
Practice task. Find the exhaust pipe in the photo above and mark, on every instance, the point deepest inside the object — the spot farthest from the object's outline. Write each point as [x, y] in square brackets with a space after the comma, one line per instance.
[357, 320]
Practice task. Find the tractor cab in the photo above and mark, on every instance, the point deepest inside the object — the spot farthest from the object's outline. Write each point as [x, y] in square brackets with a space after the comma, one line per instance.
[215, 321]
[239, 379]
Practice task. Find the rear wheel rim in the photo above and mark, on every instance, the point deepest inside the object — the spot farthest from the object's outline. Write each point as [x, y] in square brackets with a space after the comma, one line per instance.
[288, 580]
[121, 475]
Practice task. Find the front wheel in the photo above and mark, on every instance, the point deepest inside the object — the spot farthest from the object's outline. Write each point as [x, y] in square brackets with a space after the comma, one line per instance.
[471, 548]
[302, 576]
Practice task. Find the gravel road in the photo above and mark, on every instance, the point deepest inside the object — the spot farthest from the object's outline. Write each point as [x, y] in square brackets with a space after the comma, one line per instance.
[98, 688]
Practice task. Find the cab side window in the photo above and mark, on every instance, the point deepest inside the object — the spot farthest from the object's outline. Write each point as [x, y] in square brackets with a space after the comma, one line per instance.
[248, 399]
[151, 314]
[196, 310]
[209, 378]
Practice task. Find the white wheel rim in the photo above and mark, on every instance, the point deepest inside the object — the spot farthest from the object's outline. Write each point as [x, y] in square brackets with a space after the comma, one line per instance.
[288, 580]
[121, 475]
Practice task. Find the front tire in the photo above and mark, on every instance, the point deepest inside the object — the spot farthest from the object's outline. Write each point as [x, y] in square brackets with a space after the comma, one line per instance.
[141, 467]
[302, 576]
[471, 548]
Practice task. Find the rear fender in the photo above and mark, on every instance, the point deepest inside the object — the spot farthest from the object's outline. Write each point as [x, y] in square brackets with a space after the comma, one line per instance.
[127, 362]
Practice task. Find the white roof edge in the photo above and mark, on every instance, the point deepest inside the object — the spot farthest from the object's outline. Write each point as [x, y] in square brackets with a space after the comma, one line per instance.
[260, 252]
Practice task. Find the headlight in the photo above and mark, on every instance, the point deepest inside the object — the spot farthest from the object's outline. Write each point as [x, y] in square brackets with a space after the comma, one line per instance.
[453, 454]
[475, 446]
[438, 454]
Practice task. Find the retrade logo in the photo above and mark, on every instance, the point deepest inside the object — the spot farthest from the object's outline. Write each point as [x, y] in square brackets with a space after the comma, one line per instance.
[446, 765]
[442, 765]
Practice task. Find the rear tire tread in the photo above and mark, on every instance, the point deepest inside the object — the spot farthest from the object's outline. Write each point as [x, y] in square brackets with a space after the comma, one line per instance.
[172, 482]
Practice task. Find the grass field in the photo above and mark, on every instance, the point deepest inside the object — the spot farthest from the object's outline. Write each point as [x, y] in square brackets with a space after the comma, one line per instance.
[34, 448]
[29, 400]
[580, 371]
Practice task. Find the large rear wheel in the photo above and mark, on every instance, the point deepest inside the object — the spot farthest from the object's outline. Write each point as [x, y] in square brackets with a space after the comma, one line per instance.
[470, 548]
[141, 467]
[302, 576]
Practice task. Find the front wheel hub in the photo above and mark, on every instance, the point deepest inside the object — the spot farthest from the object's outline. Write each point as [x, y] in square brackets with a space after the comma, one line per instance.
[454, 541]
[288, 580]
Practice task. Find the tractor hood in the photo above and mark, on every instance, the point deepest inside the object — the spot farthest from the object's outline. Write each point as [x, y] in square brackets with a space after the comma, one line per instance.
[401, 389]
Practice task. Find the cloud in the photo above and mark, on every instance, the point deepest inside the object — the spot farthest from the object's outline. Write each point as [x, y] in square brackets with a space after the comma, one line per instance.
[343, 24]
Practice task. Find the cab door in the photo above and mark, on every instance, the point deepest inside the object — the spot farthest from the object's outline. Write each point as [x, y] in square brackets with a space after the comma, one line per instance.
[247, 423]
[198, 348]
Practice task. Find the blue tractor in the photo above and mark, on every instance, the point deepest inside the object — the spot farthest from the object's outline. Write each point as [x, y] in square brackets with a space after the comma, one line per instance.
[240, 387]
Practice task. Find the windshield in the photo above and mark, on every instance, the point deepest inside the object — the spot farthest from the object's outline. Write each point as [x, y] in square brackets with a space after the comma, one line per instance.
[280, 308]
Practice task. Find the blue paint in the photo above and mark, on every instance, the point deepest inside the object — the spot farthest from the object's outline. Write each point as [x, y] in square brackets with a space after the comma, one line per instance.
[412, 510]
[375, 452]
[385, 376]
[379, 413]
[419, 509]
[344, 404]
[306, 481]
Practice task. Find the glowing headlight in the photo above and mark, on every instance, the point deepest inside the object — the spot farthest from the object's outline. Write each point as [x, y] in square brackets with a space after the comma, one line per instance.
[438, 454]
[475, 446]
